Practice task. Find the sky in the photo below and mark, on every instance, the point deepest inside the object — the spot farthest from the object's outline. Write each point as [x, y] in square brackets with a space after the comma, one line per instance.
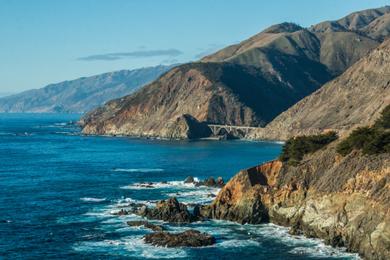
[49, 41]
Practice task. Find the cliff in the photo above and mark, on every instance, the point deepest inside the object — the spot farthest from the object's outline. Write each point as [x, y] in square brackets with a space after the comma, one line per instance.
[344, 200]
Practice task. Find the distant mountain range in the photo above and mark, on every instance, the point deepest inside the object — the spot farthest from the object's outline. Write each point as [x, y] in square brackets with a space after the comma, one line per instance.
[83, 94]
[250, 83]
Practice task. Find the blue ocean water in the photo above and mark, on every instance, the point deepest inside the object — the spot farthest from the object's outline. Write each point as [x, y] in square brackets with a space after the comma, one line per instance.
[58, 190]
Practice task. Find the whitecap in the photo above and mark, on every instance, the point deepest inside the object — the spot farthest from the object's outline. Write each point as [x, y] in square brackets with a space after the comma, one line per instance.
[143, 170]
[234, 243]
[7, 134]
[87, 199]
[158, 185]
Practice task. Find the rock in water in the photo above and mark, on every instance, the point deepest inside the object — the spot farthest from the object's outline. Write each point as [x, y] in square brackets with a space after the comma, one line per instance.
[168, 210]
[121, 212]
[146, 224]
[189, 179]
[190, 238]
[220, 182]
[210, 182]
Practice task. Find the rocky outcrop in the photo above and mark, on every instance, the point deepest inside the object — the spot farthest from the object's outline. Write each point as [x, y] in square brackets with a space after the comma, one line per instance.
[188, 127]
[343, 200]
[355, 98]
[168, 210]
[189, 238]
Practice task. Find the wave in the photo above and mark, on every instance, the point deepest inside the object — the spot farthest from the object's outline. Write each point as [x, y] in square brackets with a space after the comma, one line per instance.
[234, 243]
[131, 247]
[7, 134]
[201, 195]
[138, 170]
[86, 199]
[160, 185]
[302, 245]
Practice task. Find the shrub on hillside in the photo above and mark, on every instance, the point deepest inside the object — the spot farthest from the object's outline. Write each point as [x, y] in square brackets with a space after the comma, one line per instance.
[295, 148]
[371, 140]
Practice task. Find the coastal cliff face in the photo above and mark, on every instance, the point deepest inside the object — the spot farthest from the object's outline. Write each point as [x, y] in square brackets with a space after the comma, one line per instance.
[343, 200]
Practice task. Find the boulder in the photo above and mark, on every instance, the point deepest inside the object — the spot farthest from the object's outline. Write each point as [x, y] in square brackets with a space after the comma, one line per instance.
[210, 182]
[189, 238]
[168, 210]
[189, 179]
[121, 212]
[220, 182]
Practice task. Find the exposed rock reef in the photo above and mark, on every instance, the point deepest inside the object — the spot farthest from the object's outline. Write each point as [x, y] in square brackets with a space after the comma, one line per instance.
[247, 84]
[83, 94]
[353, 99]
[343, 200]
[189, 238]
[169, 210]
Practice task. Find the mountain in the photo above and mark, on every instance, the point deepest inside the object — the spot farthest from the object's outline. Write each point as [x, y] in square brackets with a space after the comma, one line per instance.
[353, 99]
[81, 95]
[222, 93]
[247, 84]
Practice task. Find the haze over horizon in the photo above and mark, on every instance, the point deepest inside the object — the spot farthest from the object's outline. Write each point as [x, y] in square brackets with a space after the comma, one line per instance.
[45, 42]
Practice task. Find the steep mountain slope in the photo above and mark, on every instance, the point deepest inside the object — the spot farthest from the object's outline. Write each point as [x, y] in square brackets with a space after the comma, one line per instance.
[215, 93]
[354, 98]
[82, 94]
[245, 84]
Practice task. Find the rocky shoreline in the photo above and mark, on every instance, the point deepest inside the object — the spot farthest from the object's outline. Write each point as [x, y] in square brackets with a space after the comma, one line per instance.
[343, 200]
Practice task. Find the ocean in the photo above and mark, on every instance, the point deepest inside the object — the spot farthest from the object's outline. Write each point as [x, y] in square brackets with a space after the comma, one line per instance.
[59, 188]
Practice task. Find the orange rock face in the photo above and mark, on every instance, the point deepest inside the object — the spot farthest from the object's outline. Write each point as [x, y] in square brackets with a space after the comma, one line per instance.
[343, 200]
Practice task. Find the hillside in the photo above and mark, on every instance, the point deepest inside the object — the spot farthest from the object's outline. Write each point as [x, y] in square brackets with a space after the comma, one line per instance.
[245, 84]
[81, 95]
[354, 98]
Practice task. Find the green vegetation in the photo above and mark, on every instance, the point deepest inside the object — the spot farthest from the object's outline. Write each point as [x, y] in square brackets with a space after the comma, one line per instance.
[295, 148]
[371, 140]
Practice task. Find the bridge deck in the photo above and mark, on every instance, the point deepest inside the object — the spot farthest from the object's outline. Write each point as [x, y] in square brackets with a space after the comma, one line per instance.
[233, 126]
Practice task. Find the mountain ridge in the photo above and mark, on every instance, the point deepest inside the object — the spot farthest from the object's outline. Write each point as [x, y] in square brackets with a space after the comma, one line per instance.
[284, 63]
[81, 94]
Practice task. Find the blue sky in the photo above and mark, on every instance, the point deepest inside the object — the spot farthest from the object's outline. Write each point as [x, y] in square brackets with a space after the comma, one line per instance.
[43, 42]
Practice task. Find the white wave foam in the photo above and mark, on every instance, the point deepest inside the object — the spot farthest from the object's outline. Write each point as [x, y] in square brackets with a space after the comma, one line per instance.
[234, 243]
[7, 134]
[123, 202]
[302, 245]
[61, 124]
[138, 170]
[86, 199]
[158, 185]
[133, 247]
[322, 250]
[200, 196]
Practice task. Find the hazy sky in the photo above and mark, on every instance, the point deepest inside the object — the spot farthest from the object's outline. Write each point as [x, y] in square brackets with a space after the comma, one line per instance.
[43, 42]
